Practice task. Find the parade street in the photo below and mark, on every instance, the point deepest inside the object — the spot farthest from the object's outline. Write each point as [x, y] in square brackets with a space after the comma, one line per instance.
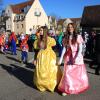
[16, 82]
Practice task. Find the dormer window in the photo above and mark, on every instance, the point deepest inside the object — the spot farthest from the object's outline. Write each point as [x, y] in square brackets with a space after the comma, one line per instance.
[26, 9]
[22, 10]
[17, 17]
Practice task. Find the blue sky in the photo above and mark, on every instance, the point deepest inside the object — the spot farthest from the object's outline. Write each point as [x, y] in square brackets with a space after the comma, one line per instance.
[61, 8]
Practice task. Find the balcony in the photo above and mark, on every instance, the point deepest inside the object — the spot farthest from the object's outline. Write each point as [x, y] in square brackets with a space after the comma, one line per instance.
[19, 18]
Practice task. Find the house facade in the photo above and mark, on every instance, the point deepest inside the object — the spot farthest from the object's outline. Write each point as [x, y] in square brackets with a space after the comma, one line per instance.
[91, 19]
[62, 23]
[52, 21]
[25, 16]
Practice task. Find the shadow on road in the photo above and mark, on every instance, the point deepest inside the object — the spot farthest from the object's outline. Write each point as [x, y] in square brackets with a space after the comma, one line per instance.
[30, 65]
[14, 59]
[90, 72]
[24, 75]
[92, 64]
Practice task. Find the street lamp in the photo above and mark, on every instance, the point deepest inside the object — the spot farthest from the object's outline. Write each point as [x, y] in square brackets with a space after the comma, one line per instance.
[37, 13]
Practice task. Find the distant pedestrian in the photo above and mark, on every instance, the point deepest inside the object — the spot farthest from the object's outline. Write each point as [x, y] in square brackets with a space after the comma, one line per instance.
[12, 40]
[97, 53]
[60, 44]
[24, 51]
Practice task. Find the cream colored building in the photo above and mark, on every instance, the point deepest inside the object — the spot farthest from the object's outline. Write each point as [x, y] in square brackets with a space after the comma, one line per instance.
[52, 21]
[25, 16]
[62, 23]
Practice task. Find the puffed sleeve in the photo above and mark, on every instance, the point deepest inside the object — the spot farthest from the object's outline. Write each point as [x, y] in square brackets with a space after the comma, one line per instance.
[80, 43]
[35, 44]
[79, 39]
[51, 42]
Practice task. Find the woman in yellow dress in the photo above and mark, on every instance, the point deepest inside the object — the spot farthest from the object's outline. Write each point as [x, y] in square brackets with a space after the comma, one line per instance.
[47, 74]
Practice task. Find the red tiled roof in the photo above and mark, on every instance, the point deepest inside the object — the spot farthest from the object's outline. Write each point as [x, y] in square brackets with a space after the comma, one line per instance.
[17, 8]
[61, 21]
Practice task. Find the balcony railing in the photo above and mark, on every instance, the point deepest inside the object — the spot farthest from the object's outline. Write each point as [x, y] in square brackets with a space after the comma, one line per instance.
[19, 19]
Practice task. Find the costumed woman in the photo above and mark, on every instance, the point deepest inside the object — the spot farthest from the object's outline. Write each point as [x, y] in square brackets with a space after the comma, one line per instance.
[47, 74]
[74, 79]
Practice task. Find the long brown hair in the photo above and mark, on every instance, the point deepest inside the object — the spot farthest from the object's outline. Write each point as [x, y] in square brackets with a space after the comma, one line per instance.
[43, 38]
[67, 35]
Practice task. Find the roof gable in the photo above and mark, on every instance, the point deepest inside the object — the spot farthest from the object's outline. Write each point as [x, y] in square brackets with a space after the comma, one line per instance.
[61, 21]
[74, 20]
[18, 8]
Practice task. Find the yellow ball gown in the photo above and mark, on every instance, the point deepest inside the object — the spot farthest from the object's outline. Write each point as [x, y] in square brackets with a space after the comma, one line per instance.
[47, 74]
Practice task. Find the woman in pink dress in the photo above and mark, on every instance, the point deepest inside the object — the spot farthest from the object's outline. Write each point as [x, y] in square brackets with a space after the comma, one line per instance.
[74, 79]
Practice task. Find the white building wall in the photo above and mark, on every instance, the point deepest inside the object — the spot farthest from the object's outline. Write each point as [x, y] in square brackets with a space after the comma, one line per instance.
[32, 20]
[20, 27]
[10, 21]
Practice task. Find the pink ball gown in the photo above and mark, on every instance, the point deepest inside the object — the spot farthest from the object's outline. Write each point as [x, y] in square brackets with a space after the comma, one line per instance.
[74, 79]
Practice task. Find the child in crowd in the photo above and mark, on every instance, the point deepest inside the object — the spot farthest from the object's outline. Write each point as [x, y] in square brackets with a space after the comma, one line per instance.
[24, 48]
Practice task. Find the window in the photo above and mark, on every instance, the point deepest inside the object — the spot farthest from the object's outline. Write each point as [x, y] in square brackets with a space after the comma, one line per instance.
[22, 17]
[8, 26]
[22, 10]
[17, 25]
[37, 12]
[26, 9]
[9, 19]
[22, 25]
[17, 17]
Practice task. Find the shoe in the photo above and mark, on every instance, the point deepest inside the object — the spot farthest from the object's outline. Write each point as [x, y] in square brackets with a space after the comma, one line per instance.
[14, 53]
[21, 62]
[64, 94]
[25, 62]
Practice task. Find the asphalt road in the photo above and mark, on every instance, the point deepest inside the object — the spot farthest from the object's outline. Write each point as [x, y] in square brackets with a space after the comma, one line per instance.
[16, 82]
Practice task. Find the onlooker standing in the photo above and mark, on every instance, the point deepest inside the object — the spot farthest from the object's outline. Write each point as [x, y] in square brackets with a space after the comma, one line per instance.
[97, 45]
[92, 49]
[91, 43]
[60, 44]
